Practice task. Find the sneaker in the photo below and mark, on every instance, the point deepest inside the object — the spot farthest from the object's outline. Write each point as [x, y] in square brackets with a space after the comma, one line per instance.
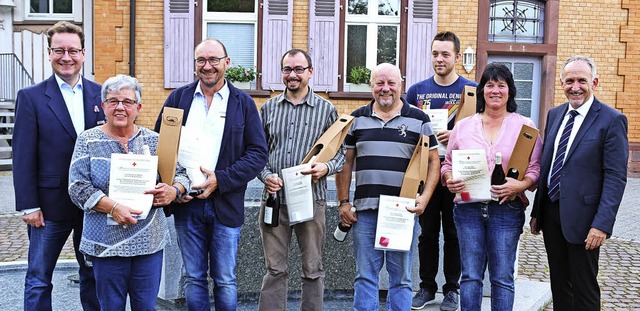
[450, 301]
[421, 299]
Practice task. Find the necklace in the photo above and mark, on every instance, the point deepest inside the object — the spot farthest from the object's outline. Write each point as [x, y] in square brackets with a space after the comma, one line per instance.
[124, 141]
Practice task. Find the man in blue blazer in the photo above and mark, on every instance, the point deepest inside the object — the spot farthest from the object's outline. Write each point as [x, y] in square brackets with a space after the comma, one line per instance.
[582, 180]
[208, 226]
[49, 116]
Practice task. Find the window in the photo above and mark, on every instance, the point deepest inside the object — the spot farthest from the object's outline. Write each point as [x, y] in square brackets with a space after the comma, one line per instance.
[233, 22]
[516, 21]
[372, 33]
[50, 9]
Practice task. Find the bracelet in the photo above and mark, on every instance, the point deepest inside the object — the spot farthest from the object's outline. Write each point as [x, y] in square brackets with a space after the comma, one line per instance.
[178, 192]
[113, 208]
[344, 202]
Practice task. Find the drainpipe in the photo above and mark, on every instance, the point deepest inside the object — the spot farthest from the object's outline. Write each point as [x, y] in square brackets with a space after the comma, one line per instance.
[132, 38]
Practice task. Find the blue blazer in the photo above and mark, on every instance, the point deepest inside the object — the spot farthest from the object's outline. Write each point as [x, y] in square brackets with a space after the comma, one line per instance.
[243, 152]
[594, 173]
[43, 142]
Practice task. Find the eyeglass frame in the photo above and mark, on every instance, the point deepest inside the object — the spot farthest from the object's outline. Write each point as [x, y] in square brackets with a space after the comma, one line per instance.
[67, 51]
[296, 69]
[126, 103]
[209, 60]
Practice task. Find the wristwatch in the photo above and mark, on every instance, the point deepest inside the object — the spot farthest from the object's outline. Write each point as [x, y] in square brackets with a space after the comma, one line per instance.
[343, 202]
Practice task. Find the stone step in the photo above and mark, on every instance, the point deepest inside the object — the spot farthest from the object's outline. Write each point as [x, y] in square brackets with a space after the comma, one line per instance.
[7, 125]
[7, 105]
[7, 114]
[5, 136]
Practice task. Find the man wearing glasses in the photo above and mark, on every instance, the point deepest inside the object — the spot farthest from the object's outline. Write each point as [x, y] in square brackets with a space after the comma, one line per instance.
[292, 122]
[208, 225]
[49, 116]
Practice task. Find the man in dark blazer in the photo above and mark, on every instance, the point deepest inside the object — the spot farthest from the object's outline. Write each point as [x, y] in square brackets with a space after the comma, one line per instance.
[49, 116]
[208, 226]
[582, 179]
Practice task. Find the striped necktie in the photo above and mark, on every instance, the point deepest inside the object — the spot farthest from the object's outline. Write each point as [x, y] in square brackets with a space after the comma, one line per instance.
[556, 171]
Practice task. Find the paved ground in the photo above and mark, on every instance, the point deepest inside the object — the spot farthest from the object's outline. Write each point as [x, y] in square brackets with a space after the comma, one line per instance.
[619, 259]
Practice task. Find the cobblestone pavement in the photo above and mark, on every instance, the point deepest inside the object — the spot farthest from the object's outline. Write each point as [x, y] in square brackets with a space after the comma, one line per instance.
[619, 274]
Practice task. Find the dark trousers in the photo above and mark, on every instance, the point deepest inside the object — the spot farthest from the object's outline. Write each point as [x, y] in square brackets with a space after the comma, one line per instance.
[440, 207]
[573, 269]
[45, 245]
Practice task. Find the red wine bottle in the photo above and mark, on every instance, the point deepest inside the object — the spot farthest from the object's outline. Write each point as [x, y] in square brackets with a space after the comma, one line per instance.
[341, 231]
[272, 209]
[497, 177]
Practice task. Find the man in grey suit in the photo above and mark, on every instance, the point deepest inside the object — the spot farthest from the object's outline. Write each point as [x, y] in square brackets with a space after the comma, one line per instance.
[582, 179]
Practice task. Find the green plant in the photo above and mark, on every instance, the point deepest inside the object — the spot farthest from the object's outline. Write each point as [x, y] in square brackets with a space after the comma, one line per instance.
[240, 74]
[360, 75]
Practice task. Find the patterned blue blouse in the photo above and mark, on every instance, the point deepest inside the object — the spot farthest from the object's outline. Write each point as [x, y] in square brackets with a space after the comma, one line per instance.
[89, 182]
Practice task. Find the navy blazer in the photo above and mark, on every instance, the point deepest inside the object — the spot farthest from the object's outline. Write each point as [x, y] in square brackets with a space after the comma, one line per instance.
[594, 173]
[243, 152]
[43, 142]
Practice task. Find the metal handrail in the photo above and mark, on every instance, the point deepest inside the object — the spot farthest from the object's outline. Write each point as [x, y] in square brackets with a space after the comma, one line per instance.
[13, 76]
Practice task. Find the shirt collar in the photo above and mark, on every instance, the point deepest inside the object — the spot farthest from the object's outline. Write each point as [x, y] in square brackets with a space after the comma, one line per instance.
[584, 109]
[309, 99]
[62, 82]
[223, 92]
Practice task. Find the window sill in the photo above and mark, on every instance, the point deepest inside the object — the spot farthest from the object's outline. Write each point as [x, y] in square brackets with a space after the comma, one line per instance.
[351, 95]
[258, 93]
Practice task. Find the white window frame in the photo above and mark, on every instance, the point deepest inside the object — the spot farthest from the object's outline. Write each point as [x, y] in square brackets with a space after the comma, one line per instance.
[75, 15]
[372, 20]
[232, 18]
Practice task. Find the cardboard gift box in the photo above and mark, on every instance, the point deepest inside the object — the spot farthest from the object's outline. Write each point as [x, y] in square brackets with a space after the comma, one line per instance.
[415, 176]
[467, 106]
[329, 143]
[168, 143]
[522, 151]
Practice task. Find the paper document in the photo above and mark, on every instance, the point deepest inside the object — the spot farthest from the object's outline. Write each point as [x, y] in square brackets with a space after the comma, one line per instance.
[195, 150]
[298, 193]
[471, 166]
[394, 230]
[439, 121]
[130, 176]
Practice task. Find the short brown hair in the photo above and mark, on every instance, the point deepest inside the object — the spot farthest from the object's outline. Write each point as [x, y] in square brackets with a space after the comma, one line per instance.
[65, 27]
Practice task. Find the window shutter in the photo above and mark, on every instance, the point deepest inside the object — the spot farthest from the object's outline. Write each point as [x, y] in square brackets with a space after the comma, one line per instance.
[324, 27]
[277, 34]
[178, 42]
[420, 31]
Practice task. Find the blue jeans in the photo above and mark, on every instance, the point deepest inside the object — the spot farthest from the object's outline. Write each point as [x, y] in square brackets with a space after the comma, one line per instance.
[488, 233]
[369, 263]
[207, 245]
[138, 276]
[45, 245]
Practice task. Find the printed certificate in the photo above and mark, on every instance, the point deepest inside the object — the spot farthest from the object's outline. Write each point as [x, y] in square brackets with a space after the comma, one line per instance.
[298, 193]
[394, 230]
[195, 148]
[439, 120]
[130, 176]
[471, 166]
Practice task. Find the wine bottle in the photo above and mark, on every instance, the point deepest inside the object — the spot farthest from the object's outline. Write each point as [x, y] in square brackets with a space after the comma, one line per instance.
[341, 231]
[497, 177]
[272, 209]
[513, 173]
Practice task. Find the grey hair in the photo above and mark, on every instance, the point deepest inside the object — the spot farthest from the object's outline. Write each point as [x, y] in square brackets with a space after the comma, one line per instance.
[120, 82]
[582, 58]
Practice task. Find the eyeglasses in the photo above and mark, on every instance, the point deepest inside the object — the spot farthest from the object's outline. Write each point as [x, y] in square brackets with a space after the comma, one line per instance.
[297, 70]
[61, 51]
[127, 103]
[212, 60]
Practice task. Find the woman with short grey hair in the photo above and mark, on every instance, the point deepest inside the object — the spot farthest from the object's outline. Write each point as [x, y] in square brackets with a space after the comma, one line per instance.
[125, 250]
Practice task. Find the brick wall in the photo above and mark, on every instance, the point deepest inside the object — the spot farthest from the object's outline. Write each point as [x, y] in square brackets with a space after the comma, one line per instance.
[465, 26]
[593, 29]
